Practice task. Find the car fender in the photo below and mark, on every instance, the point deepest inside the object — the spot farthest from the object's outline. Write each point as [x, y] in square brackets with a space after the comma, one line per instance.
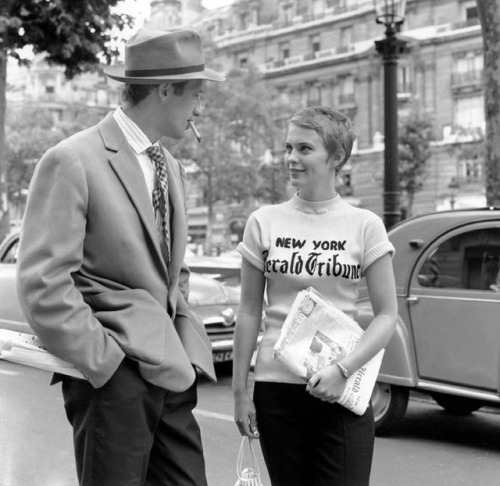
[399, 365]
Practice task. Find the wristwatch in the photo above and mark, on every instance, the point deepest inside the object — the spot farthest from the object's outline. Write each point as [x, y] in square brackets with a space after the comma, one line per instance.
[344, 370]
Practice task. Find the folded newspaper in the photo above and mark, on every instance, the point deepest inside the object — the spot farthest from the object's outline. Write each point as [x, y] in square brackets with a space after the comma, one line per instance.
[26, 349]
[316, 334]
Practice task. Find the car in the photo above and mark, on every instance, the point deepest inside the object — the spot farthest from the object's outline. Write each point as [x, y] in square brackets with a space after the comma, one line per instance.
[215, 302]
[225, 267]
[447, 339]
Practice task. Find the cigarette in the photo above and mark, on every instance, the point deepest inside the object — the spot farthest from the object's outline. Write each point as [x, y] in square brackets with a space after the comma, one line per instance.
[195, 130]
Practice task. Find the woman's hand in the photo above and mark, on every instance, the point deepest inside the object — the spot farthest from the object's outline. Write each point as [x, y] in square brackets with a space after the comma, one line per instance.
[327, 384]
[245, 416]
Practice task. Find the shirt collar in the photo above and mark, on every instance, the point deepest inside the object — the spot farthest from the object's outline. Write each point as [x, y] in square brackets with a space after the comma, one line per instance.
[136, 138]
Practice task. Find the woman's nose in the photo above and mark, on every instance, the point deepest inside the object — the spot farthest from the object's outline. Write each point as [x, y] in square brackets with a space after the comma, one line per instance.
[291, 156]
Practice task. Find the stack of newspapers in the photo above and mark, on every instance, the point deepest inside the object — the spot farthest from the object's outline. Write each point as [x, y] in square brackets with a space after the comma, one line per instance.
[316, 334]
[26, 349]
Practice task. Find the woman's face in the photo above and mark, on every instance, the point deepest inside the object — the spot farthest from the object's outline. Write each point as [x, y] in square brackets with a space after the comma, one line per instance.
[310, 167]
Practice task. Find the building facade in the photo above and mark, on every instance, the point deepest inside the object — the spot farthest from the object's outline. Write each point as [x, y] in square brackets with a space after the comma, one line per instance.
[322, 52]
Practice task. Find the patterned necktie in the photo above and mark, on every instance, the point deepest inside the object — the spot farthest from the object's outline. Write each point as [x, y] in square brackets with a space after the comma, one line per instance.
[160, 199]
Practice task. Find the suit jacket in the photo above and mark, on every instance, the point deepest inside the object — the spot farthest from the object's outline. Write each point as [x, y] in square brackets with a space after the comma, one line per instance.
[92, 281]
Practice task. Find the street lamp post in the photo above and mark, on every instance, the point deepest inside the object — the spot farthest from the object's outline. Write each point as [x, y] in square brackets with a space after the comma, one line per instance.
[390, 13]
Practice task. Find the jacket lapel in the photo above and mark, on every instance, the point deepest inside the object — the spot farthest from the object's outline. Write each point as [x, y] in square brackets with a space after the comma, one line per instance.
[124, 162]
[178, 237]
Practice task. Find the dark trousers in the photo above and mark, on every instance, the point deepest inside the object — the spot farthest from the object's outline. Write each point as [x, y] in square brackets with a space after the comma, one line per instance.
[306, 441]
[133, 433]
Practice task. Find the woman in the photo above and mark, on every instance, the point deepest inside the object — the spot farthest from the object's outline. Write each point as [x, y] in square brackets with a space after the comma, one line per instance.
[306, 437]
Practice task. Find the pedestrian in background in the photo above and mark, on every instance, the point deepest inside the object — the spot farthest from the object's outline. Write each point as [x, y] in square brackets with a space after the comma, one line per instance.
[101, 277]
[306, 437]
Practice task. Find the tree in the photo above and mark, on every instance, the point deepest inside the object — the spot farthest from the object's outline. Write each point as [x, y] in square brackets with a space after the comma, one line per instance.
[415, 135]
[30, 132]
[239, 123]
[489, 15]
[74, 34]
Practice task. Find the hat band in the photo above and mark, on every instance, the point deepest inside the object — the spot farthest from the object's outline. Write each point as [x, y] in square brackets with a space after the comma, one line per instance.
[164, 72]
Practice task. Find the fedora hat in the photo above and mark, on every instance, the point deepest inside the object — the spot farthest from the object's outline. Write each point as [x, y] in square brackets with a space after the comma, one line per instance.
[156, 56]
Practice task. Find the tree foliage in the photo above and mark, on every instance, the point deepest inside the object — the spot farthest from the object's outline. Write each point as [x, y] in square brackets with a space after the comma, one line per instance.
[416, 132]
[75, 34]
[489, 15]
[239, 123]
[30, 132]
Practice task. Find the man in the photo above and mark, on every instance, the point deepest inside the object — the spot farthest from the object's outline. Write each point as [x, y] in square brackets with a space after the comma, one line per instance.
[101, 274]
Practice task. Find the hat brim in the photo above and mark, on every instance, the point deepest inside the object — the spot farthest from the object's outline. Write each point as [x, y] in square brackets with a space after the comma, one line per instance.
[117, 73]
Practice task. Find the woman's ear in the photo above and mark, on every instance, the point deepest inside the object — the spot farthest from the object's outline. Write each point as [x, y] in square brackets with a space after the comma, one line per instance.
[338, 160]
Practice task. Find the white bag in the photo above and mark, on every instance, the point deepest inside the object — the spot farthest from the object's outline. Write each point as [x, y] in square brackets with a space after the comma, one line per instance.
[248, 476]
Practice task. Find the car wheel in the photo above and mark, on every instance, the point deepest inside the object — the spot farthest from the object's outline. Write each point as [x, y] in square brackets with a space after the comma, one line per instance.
[457, 405]
[389, 404]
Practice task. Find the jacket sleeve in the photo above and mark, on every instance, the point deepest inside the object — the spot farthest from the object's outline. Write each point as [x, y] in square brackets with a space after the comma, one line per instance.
[51, 251]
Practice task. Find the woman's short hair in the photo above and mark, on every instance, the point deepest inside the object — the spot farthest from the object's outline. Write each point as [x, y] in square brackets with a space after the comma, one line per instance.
[332, 126]
[135, 93]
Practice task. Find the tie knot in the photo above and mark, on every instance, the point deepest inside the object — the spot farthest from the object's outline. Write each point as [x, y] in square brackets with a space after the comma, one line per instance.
[155, 153]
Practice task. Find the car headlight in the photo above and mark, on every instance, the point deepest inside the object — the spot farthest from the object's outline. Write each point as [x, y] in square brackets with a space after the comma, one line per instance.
[229, 316]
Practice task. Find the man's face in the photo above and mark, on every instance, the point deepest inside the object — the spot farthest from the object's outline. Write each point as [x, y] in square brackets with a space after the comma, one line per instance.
[178, 109]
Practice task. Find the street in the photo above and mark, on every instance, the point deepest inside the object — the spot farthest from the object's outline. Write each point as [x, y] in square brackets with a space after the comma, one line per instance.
[431, 448]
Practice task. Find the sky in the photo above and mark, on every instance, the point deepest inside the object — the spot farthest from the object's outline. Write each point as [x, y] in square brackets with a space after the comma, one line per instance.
[140, 8]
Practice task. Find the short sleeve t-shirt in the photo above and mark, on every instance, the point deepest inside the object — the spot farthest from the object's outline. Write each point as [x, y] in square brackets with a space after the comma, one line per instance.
[327, 245]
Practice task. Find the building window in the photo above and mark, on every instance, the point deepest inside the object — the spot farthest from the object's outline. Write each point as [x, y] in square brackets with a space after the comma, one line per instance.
[467, 68]
[470, 11]
[314, 95]
[471, 170]
[318, 7]
[346, 36]
[49, 89]
[404, 85]
[244, 21]
[284, 50]
[469, 112]
[315, 43]
[468, 61]
[243, 62]
[287, 13]
[346, 90]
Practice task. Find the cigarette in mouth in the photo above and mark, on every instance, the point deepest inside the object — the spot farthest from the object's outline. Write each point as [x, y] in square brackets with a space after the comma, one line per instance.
[194, 130]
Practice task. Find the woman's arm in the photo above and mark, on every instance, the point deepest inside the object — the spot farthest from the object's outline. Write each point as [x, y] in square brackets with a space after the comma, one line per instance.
[328, 383]
[248, 324]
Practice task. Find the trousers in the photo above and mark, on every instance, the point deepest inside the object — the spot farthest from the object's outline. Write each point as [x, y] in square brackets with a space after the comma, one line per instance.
[308, 442]
[132, 433]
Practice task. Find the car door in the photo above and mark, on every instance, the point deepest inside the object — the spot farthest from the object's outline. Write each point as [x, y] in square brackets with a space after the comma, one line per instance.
[454, 306]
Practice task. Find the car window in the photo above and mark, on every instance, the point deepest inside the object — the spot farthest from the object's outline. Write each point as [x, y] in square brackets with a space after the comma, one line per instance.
[10, 256]
[469, 260]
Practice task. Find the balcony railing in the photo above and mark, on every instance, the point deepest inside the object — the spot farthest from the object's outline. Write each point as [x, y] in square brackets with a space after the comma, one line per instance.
[474, 77]
[311, 56]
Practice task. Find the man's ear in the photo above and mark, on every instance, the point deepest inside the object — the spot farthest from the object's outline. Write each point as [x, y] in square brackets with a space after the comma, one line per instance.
[164, 90]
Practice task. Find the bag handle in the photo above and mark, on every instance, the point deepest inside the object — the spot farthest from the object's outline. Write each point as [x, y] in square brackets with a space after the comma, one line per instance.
[239, 462]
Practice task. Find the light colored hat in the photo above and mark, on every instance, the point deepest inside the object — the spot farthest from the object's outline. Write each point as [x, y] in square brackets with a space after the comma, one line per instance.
[156, 56]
